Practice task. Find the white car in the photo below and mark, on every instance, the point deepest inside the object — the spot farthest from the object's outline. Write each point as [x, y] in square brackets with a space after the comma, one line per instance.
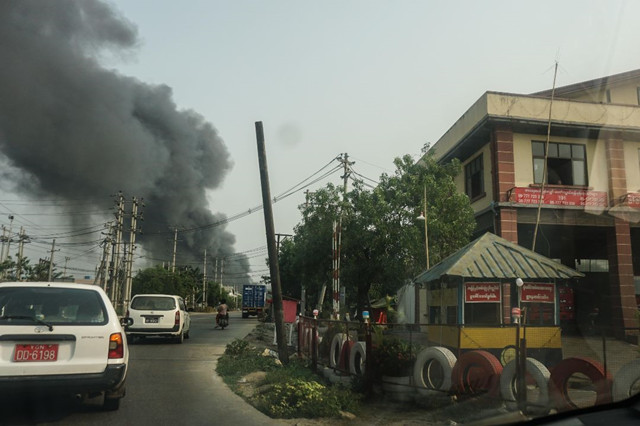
[61, 337]
[158, 315]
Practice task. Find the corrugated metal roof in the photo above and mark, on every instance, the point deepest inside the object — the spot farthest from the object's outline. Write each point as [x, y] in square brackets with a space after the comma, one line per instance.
[491, 256]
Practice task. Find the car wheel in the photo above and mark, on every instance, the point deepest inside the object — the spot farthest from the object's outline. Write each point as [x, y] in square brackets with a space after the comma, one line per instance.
[186, 335]
[180, 338]
[111, 404]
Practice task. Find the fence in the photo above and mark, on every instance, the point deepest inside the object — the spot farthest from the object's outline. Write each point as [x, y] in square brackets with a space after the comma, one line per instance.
[533, 369]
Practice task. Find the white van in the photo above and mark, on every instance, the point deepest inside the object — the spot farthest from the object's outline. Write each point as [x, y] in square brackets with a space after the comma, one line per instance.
[61, 337]
[158, 315]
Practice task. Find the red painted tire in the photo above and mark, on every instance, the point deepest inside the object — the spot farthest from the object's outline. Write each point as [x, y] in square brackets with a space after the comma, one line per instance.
[565, 369]
[476, 372]
[358, 359]
[345, 353]
[336, 349]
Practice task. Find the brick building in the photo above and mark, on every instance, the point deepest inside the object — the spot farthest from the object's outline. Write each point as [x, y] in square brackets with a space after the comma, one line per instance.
[589, 215]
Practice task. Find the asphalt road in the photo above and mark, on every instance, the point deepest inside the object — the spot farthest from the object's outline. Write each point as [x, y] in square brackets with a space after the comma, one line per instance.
[167, 383]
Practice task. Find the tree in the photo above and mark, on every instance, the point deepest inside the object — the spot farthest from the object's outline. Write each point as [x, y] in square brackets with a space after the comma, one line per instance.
[383, 243]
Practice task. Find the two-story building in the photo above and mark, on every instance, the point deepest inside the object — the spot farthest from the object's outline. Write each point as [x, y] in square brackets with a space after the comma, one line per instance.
[563, 171]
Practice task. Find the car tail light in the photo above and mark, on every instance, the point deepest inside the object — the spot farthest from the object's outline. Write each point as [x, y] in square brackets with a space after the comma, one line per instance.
[116, 346]
[177, 321]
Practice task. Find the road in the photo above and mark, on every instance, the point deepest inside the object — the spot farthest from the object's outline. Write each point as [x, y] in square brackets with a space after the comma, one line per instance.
[167, 383]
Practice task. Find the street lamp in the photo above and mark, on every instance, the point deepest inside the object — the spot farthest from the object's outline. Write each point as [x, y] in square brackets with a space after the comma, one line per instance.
[423, 216]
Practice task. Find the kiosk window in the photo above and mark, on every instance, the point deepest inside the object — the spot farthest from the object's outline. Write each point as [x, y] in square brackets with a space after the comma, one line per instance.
[482, 313]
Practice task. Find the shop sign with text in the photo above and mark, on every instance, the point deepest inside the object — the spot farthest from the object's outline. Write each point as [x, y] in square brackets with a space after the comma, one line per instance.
[482, 293]
[538, 293]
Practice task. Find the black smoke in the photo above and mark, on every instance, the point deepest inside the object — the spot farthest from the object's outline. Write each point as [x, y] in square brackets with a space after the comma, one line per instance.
[71, 129]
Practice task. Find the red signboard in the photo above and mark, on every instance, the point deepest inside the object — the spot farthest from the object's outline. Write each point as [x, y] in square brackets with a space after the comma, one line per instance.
[538, 293]
[482, 293]
[633, 199]
[560, 197]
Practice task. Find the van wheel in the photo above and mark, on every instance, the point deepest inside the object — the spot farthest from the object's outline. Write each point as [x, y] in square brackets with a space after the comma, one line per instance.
[180, 338]
[111, 404]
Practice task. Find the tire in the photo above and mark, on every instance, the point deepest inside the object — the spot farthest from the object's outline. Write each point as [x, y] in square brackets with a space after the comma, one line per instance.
[186, 335]
[539, 373]
[110, 404]
[180, 338]
[358, 359]
[424, 361]
[486, 371]
[345, 355]
[336, 349]
[625, 379]
[565, 369]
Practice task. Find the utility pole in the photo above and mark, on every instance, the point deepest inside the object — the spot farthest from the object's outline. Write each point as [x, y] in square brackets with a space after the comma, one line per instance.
[9, 238]
[53, 249]
[126, 297]
[175, 245]
[101, 275]
[284, 237]
[66, 259]
[20, 254]
[204, 281]
[337, 245]
[271, 246]
[115, 259]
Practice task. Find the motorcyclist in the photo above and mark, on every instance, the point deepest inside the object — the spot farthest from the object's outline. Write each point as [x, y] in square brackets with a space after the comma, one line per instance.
[222, 312]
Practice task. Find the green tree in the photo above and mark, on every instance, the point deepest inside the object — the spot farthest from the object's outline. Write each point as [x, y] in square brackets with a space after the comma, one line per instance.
[383, 243]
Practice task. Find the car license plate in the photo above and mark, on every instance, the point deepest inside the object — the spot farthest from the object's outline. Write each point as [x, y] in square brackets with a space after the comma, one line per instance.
[151, 320]
[34, 352]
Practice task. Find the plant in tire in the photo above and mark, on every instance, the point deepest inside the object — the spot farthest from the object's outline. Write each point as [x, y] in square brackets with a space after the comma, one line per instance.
[394, 357]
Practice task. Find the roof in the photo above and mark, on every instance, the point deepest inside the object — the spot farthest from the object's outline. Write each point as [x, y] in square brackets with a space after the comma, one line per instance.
[493, 257]
[592, 84]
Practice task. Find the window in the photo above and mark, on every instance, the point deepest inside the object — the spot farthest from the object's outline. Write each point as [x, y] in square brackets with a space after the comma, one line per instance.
[566, 163]
[474, 178]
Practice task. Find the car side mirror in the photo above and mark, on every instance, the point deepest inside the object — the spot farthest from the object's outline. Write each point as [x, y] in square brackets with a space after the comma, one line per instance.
[126, 322]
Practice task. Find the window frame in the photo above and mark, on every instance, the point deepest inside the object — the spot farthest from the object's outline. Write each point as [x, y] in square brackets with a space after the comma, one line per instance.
[474, 174]
[577, 154]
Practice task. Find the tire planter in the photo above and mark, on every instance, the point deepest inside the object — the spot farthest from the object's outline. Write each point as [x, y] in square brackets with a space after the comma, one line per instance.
[425, 366]
[535, 371]
[625, 379]
[562, 372]
[345, 354]
[336, 349]
[476, 372]
[358, 359]
[398, 389]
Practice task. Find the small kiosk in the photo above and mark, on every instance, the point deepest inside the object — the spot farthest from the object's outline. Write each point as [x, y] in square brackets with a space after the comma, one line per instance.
[477, 296]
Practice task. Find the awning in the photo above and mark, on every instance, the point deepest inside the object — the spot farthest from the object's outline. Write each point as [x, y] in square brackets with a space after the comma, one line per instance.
[494, 257]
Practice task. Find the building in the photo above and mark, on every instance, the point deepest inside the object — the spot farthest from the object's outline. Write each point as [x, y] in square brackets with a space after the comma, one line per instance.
[590, 205]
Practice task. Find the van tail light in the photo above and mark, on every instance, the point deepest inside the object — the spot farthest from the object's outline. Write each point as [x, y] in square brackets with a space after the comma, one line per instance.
[177, 321]
[116, 346]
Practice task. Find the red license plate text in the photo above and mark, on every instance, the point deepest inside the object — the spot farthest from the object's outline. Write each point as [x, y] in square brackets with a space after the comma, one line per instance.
[35, 353]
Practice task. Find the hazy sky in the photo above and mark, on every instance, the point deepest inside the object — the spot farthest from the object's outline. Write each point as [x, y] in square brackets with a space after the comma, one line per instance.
[374, 79]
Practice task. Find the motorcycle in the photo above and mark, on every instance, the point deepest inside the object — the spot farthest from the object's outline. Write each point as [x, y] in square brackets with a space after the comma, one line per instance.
[223, 321]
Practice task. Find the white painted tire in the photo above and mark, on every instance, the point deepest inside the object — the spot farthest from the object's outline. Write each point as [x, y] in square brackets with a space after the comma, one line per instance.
[539, 373]
[358, 358]
[625, 379]
[336, 349]
[425, 360]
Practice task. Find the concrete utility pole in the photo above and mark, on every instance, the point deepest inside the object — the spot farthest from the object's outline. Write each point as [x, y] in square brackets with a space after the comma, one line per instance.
[53, 249]
[271, 247]
[126, 297]
[20, 254]
[101, 275]
[9, 238]
[175, 245]
[337, 238]
[115, 259]
[66, 259]
[204, 281]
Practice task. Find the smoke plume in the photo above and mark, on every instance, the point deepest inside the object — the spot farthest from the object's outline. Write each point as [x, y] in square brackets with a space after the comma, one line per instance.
[72, 129]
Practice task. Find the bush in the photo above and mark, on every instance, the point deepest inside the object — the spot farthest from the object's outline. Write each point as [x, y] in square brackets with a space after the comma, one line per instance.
[309, 399]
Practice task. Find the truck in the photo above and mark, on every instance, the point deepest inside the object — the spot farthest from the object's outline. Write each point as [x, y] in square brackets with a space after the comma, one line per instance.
[254, 298]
